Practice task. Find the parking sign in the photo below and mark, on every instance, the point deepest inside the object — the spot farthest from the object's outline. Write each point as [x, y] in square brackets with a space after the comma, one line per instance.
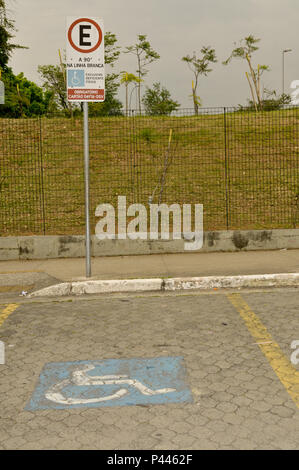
[85, 59]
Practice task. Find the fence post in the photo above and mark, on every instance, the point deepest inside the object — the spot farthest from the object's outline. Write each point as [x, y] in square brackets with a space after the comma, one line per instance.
[226, 170]
[42, 195]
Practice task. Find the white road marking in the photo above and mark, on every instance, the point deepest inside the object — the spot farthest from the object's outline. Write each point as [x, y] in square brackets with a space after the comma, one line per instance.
[79, 377]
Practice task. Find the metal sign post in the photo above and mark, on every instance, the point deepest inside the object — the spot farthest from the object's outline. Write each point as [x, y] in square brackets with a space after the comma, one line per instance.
[86, 180]
[85, 82]
[2, 92]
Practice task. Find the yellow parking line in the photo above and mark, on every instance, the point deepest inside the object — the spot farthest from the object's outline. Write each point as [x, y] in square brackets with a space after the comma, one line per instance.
[10, 308]
[285, 371]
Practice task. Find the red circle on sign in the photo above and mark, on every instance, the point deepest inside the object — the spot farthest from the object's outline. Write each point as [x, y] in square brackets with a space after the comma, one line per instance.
[87, 20]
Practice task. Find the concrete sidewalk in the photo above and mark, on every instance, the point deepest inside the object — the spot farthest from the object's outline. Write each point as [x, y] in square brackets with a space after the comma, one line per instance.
[29, 275]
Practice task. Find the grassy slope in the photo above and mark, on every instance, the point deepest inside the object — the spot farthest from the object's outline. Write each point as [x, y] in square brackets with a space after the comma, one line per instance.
[127, 157]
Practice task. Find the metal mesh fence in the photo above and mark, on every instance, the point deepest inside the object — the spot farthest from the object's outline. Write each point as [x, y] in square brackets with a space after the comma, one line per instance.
[263, 169]
[243, 166]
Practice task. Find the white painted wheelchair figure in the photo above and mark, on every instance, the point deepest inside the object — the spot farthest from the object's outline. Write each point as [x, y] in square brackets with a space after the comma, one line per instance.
[80, 377]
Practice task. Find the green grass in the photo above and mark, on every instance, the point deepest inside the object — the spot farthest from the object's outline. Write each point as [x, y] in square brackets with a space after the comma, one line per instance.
[44, 178]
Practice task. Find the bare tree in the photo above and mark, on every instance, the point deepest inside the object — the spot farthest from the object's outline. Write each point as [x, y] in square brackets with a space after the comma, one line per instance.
[245, 50]
[126, 79]
[145, 55]
[199, 66]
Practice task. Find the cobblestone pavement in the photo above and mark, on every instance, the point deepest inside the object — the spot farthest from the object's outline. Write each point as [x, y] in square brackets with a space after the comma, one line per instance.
[238, 400]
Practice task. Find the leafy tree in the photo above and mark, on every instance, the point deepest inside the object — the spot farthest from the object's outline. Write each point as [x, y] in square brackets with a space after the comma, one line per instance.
[112, 51]
[145, 55]
[6, 29]
[271, 102]
[111, 105]
[157, 101]
[23, 98]
[245, 50]
[199, 66]
[54, 83]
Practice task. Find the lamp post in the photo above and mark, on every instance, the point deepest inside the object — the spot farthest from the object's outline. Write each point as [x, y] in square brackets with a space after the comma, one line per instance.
[283, 53]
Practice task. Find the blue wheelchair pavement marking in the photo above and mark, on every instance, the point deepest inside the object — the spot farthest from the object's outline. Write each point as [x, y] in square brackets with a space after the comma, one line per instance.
[111, 382]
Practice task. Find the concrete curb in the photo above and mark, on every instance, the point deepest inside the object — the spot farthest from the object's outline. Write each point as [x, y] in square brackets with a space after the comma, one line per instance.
[180, 283]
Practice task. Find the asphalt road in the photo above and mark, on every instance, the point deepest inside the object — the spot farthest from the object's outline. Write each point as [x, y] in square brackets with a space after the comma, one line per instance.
[212, 370]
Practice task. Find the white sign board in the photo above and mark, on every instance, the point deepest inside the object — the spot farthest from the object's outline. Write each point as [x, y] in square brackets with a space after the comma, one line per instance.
[85, 59]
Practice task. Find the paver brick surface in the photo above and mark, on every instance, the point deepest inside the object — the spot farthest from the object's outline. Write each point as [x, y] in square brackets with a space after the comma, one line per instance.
[238, 401]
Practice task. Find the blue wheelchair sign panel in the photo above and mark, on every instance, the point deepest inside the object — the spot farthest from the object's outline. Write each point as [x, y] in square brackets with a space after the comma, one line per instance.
[111, 382]
[76, 78]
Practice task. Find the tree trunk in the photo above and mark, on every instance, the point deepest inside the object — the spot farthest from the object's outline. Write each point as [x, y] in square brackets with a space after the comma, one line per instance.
[194, 88]
[252, 92]
[254, 80]
[139, 84]
[195, 102]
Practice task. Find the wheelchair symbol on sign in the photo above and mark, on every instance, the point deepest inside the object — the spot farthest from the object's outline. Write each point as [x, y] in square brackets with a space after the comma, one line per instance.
[76, 78]
[80, 377]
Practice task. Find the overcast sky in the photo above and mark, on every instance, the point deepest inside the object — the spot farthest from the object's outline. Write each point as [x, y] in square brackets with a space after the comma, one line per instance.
[174, 28]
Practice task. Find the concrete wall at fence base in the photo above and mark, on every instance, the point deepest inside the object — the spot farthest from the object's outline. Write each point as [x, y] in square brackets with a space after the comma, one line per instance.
[73, 246]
